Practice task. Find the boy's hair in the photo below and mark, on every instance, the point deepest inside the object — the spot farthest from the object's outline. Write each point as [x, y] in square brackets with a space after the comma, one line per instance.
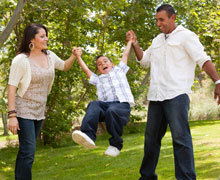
[97, 57]
[168, 8]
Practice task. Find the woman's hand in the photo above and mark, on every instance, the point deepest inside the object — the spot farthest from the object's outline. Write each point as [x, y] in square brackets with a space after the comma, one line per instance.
[77, 51]
[13, 125]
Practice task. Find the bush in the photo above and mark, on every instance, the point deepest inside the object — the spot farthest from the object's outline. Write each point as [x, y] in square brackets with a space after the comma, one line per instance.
[203, 106]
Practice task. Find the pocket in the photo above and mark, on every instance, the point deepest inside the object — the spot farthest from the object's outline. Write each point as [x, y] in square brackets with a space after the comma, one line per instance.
[174, 43]
[156, 52]
[176, 51]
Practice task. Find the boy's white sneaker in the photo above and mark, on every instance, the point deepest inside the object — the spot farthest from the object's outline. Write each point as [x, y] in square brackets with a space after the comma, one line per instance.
[112, 151]
[81, 138]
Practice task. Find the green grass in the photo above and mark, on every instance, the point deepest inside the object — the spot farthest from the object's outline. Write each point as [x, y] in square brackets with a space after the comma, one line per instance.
[72, 162]
[6, 138]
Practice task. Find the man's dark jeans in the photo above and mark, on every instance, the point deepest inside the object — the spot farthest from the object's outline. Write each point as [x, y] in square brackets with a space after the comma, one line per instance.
[29, 130]
[175, 113]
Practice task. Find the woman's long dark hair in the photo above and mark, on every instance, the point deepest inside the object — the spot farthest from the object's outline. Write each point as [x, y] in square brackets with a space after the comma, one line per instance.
[29, 34]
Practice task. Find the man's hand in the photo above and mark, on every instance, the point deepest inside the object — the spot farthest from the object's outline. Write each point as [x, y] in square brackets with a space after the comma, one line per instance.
[217, 93]
[131, 36]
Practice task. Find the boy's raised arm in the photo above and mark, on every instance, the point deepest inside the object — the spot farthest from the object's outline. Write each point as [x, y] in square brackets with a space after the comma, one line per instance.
[126, 52]
[78, 53]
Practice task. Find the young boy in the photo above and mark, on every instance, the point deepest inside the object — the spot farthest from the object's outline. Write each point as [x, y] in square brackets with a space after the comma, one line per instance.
[112, 106]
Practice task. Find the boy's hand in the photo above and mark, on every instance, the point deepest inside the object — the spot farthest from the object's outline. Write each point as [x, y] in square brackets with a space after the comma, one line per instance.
[77, 51]
[130, 36]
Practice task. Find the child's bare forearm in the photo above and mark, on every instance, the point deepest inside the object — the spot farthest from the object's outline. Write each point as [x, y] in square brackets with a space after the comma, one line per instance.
[126, 52]
[84, 66]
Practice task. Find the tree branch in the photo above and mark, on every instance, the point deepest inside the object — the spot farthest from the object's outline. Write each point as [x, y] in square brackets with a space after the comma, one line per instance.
[6, 32]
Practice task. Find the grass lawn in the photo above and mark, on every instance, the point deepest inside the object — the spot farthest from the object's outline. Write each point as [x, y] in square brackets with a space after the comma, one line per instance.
[8, 138]
[5, 138]
[72, 162]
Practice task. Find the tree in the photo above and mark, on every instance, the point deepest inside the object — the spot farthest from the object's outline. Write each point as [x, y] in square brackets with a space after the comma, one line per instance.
[7, 31]
[3, 107]
[99, 27]
[3, 37]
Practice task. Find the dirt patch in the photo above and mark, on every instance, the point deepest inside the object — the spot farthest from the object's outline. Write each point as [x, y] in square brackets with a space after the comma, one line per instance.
[5, 144]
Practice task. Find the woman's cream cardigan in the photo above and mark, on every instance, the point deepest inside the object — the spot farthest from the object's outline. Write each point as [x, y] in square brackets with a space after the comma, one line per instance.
[20, 71]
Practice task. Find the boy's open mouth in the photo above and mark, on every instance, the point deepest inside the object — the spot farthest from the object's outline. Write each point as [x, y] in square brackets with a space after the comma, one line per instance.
[105, 68]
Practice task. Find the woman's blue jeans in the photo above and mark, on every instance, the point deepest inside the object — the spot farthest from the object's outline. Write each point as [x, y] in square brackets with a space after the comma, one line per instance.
[29, 130]
[175, 113]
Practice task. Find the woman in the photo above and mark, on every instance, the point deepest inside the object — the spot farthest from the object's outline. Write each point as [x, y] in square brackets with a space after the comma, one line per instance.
[32, 72]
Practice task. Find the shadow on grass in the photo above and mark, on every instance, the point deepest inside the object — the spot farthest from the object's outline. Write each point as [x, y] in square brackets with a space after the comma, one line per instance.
[7, 162]
[203, 123]
[139, 127]
[210, 170]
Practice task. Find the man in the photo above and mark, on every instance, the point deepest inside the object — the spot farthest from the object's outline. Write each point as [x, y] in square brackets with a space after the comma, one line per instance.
[172, 56]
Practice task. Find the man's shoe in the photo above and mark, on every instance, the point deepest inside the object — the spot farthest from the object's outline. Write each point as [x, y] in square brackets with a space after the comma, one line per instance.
[81, 138]
[112, 151]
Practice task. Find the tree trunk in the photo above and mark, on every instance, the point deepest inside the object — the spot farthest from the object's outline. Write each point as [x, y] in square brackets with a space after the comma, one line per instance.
[7, 31]
[101, 126]
[4, 121]
[105, 24]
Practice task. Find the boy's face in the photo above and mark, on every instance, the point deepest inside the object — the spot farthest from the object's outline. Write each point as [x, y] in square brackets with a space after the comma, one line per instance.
[104, 65]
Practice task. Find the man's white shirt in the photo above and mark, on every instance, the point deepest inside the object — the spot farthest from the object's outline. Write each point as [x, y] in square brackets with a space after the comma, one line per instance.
[173, 60]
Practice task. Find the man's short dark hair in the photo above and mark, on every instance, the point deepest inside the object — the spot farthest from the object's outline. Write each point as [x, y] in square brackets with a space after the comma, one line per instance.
[168, 8]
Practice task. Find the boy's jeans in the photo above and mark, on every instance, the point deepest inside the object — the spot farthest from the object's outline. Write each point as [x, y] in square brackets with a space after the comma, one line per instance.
[115, 115]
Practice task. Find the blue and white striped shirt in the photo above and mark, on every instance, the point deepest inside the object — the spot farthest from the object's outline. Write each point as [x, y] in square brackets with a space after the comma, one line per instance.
[113, 86]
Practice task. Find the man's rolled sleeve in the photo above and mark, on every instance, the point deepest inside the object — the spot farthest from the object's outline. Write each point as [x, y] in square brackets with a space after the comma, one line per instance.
[196, 50]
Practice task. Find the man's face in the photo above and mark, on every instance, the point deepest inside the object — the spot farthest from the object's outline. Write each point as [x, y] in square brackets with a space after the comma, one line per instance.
[104, 65]
[166, 24]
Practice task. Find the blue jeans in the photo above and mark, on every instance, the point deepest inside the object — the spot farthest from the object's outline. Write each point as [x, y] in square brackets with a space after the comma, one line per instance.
[175, 113]
[114, 114]
[29, 130]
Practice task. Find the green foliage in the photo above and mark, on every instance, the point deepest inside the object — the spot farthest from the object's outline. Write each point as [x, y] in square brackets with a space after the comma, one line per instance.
[99, 27]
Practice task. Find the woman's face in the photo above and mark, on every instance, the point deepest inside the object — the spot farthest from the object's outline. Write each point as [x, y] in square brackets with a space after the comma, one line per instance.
[40, 40]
